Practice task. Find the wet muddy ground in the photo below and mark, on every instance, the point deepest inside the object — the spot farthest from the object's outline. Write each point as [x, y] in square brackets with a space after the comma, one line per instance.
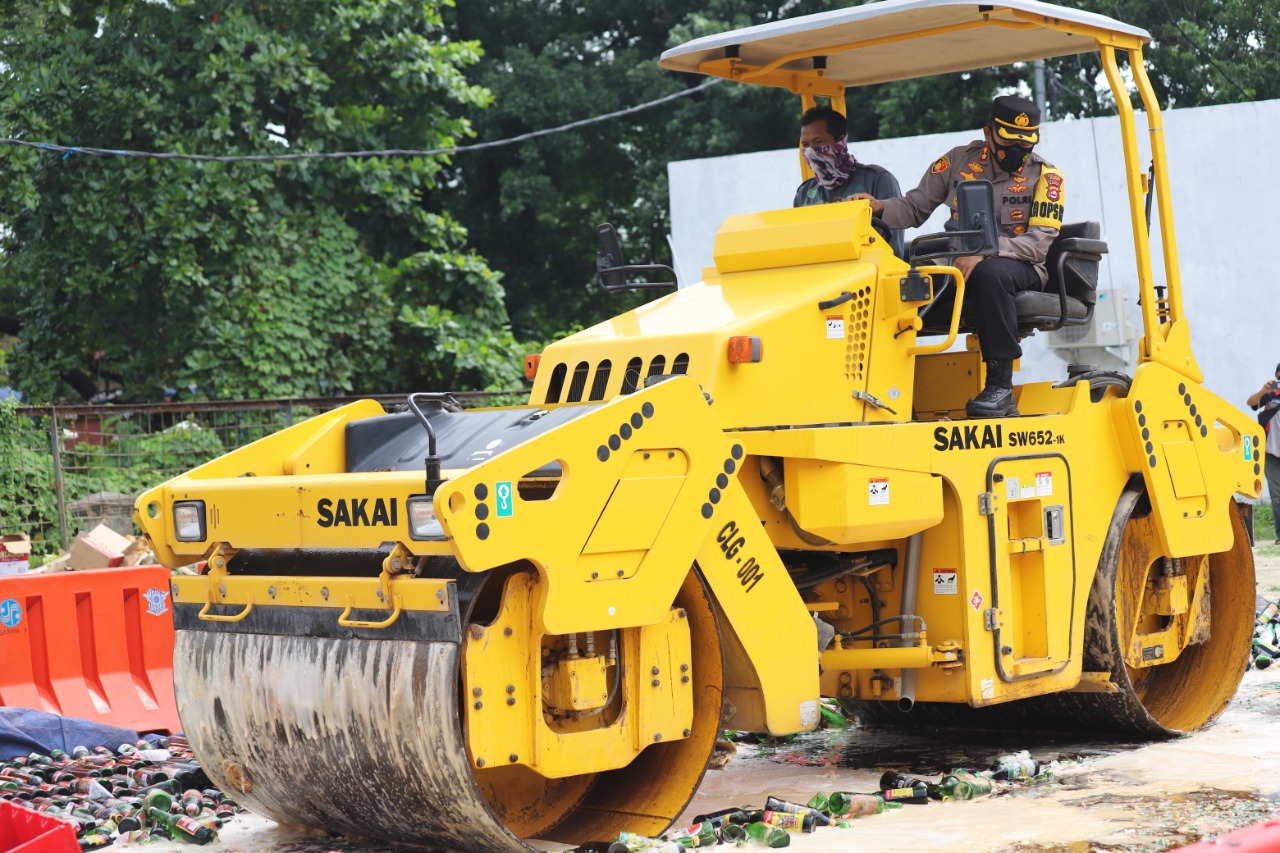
[1097, 796]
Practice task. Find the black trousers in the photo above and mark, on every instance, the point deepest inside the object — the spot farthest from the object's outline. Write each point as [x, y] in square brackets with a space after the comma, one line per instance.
[988, 304]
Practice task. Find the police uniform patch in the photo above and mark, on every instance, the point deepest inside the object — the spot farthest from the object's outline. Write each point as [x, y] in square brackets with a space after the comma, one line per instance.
[968, 176]
[976, 167]
[1019, 229]
[941, 164]
[1049, 199]
[1017, 214]
[1053, 186]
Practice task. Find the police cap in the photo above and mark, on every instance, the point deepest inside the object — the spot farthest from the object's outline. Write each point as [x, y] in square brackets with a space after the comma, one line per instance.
[1015, 119]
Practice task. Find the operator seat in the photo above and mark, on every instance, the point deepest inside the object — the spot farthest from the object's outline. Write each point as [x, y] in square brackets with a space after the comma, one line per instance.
[1070, 293]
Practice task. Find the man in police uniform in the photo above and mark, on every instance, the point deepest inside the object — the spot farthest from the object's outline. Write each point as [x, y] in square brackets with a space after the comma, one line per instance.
[837, 175]
[1030, 194]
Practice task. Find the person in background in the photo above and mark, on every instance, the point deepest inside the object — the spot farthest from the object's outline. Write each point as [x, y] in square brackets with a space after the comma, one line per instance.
[837, 175]
[1266, 402]
[1029, 194]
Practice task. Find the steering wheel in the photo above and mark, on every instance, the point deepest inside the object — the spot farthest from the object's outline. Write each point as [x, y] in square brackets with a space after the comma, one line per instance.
[882, 229]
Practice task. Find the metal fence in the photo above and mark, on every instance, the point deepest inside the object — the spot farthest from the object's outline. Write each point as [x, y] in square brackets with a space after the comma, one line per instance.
[69, 468]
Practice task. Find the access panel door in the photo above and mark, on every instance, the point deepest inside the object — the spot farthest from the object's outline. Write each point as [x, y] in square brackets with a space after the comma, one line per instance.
[1032, 563]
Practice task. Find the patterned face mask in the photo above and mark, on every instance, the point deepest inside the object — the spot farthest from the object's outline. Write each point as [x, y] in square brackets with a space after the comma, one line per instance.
[832, 164]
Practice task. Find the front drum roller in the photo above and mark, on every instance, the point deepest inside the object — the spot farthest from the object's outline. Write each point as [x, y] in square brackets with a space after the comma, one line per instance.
[364, 736]
[1148, 699]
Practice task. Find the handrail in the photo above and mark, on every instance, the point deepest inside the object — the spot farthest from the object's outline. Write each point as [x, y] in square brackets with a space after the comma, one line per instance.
[954, 329]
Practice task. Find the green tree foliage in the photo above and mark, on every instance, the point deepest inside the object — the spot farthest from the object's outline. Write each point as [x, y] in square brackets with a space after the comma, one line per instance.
[532, 210]
[26, 473]
[246, 279]
[1202, 52]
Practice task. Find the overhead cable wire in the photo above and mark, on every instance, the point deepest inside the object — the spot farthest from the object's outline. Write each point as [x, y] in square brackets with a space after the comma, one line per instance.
[68, 150]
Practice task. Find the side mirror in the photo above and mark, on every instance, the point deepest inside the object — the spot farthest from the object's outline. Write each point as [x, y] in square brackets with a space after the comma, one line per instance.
[975, 231]
[976, 204]
[612, 268]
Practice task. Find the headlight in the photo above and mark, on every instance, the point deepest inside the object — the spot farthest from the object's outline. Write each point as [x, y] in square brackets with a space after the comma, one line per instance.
[188, 521]
[423, 523]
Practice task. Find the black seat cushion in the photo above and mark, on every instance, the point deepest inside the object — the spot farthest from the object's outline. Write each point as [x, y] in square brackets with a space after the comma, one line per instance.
[1036, 308]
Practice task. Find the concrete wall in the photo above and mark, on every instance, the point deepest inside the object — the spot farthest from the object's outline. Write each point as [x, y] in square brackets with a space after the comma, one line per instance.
[1222, 226]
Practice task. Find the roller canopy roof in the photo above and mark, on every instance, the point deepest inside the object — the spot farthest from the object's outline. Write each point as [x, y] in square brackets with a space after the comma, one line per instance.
[899, 39]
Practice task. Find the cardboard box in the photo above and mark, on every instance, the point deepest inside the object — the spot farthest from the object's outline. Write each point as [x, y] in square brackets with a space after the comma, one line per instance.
[15, 554]
[99, 548]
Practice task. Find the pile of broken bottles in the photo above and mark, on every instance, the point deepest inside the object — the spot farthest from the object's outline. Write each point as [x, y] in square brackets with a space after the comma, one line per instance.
[772, 826]
[1266, 633]
[133, 794]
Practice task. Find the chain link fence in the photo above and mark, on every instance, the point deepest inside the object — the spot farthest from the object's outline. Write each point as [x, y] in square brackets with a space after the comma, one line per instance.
[69, 468]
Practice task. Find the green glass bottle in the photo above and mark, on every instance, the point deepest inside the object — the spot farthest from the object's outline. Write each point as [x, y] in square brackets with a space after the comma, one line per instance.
[182, 828]
[776, 804]
[820, 802]
[157, 799]
[963, 785]
[1269, 613]
[767, 836]
[732, 833]
[848, 804]
[1019, 765]
[697, 835]
[724, 816]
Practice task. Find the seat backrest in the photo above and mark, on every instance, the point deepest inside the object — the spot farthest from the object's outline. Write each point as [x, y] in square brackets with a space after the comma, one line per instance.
[1079, 274]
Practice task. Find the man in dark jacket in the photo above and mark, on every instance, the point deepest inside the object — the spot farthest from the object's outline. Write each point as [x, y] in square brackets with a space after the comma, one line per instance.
[1030, 194]
[837, 175]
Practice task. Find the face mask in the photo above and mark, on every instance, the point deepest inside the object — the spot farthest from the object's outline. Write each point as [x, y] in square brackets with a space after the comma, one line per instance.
[832, 164]
[1012, 157]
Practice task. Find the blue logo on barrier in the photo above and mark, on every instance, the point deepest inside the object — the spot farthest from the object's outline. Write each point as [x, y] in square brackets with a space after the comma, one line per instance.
[10, 613]
[156, 601]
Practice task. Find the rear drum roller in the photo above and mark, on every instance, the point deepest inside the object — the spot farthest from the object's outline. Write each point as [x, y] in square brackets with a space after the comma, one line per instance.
[1157, 701]
[364, 736]
[1180, 696]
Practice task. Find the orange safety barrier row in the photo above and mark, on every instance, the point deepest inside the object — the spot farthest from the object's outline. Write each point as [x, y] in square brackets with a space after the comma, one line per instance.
[97, 645]
[25, 831]
[1262, 837]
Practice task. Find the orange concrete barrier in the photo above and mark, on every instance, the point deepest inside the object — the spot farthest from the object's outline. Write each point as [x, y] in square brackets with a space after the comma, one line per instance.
[1263, 837]
[97, 645]
[26, 831]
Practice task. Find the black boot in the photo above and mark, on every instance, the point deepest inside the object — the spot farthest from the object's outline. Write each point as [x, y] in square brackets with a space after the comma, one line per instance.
[996, 399]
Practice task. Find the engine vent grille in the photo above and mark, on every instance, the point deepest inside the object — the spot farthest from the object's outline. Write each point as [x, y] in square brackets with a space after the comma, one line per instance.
[603, 382]
[857, 336]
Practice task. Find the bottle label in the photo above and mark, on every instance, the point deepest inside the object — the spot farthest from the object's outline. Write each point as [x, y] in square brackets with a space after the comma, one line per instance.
[790, 821]
[188, 824]
[899, 793]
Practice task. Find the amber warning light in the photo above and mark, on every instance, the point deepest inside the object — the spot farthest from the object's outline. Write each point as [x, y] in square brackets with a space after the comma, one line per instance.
[531, 363]
[745, 349]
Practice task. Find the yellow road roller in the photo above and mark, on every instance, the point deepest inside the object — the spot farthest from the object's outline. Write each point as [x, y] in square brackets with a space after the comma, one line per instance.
[477, 628]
